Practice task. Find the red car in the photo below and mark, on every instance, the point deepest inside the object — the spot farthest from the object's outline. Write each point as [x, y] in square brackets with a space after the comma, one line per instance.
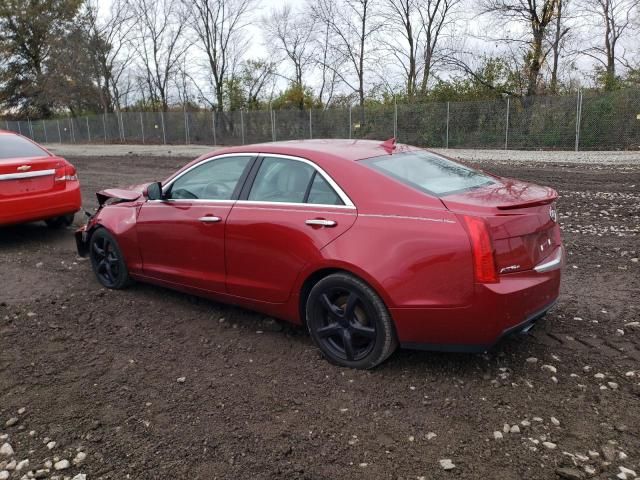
[368, 244]
[35, 184]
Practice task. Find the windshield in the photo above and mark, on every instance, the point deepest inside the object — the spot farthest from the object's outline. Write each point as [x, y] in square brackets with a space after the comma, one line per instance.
[14, 146]
[428, 172]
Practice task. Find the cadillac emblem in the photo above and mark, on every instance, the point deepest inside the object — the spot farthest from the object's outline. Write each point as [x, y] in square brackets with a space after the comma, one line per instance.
[553, 214]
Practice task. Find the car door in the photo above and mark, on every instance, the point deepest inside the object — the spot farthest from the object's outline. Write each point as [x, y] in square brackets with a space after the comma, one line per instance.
[181, 237]
[288, 211]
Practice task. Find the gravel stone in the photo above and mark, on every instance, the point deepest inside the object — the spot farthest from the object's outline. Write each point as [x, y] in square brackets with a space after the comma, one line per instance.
[22, 464]
[6, 450]
[550, 368]
[447, 464]
[62, 465]
[11, 422]
[4, 475]
[609, 453]
[549, 445]
[79, 458]
[497, 435]
[569, 473]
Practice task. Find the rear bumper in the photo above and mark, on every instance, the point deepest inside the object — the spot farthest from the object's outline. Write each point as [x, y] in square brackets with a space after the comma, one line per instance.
[512, 305]
[42, 206]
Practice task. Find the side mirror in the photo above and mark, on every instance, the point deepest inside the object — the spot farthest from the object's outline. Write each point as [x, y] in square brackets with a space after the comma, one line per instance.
[154, 191]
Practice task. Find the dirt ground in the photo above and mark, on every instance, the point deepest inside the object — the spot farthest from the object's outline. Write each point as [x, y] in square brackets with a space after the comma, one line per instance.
[97, 371]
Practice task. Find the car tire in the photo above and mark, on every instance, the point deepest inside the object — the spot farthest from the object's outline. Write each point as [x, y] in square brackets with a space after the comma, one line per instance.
[349, 322]
[107, 260]
[61, 221]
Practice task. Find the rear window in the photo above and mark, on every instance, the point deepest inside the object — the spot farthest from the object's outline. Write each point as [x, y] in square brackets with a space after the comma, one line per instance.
[428, 172]
[13, 146]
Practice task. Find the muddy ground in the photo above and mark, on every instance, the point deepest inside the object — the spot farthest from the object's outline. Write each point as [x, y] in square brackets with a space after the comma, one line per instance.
[96, 370]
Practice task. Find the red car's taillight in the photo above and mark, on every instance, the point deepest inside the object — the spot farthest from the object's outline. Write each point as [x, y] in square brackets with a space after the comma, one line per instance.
[66, 174]
[484, 264]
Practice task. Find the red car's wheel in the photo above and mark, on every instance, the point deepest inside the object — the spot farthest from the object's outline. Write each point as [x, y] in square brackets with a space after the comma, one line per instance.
[62, 221]
[107, 260]
[349, 322]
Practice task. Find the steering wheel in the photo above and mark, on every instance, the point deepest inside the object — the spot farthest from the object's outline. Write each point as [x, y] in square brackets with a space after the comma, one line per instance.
[183, 194]
[217, 190]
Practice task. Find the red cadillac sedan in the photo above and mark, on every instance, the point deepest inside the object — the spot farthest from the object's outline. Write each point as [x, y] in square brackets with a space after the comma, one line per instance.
[369, 244]
[35, 184]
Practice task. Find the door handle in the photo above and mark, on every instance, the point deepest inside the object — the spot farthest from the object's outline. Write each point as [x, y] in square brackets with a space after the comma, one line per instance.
[209, 219]
[321, 222]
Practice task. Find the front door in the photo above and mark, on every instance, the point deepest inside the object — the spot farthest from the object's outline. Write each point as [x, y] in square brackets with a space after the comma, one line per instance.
[181, 237]
[290, 213]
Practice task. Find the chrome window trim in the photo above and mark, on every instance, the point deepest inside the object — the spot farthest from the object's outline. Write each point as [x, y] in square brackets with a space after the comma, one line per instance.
[249, 203]
[343, 196]
[319, 211]
[194, 200]
[37, 173]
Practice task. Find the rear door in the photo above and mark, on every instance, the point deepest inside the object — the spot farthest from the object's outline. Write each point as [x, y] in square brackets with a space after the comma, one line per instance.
[26, 169]
[181, 237]
[289, 210]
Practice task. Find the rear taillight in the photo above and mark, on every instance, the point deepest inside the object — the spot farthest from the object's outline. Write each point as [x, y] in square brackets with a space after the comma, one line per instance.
[484, 264]
[66, 173]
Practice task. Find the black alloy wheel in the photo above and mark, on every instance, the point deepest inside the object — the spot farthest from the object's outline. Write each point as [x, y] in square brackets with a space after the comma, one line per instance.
[107, 260]
[349, 322]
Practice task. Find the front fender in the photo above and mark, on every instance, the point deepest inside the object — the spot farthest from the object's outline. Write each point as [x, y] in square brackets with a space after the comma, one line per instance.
[120, 220]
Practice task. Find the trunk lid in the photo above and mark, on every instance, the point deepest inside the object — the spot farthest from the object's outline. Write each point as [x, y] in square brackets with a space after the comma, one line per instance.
[26, 176]
[521, 218]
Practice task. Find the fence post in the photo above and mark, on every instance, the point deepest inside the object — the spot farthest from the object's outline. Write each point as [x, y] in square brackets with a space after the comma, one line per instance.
[447, 134]
[273, 125]
[19, 127]
[59, 135]
[395, 118]
[242, 126]
[578, 118]
[186, 128]
[88, 130]
[44, 129]
[7, 122]
[142, 127]
[213, 120]
[122, 135]
[349, 122]
[506, 130]
[310, 125]
[164, 135]
[73, 135]
[273, 128]
[30, 128]
[104, 127]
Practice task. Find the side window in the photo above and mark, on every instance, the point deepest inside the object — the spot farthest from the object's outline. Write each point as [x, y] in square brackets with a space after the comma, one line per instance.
[322, 193]
[281, 180]
[214, 180]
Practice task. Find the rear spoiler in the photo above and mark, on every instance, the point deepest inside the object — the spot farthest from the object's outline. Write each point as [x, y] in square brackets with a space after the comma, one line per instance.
[118, 194]
[532, 203]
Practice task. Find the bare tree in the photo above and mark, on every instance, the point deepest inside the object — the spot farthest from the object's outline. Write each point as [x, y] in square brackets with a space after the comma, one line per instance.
[615, 19]
[108, 43]
[291, 34]
[218, 25]
[560, 33]
[328, 62]
[536, 17]
[353, 24]
[421, 24]
[159, 43]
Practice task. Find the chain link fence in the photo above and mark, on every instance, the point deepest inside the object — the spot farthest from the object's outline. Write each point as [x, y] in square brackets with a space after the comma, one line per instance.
[590, 121]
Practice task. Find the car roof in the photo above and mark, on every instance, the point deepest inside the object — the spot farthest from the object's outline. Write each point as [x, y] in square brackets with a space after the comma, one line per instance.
[344, 149]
